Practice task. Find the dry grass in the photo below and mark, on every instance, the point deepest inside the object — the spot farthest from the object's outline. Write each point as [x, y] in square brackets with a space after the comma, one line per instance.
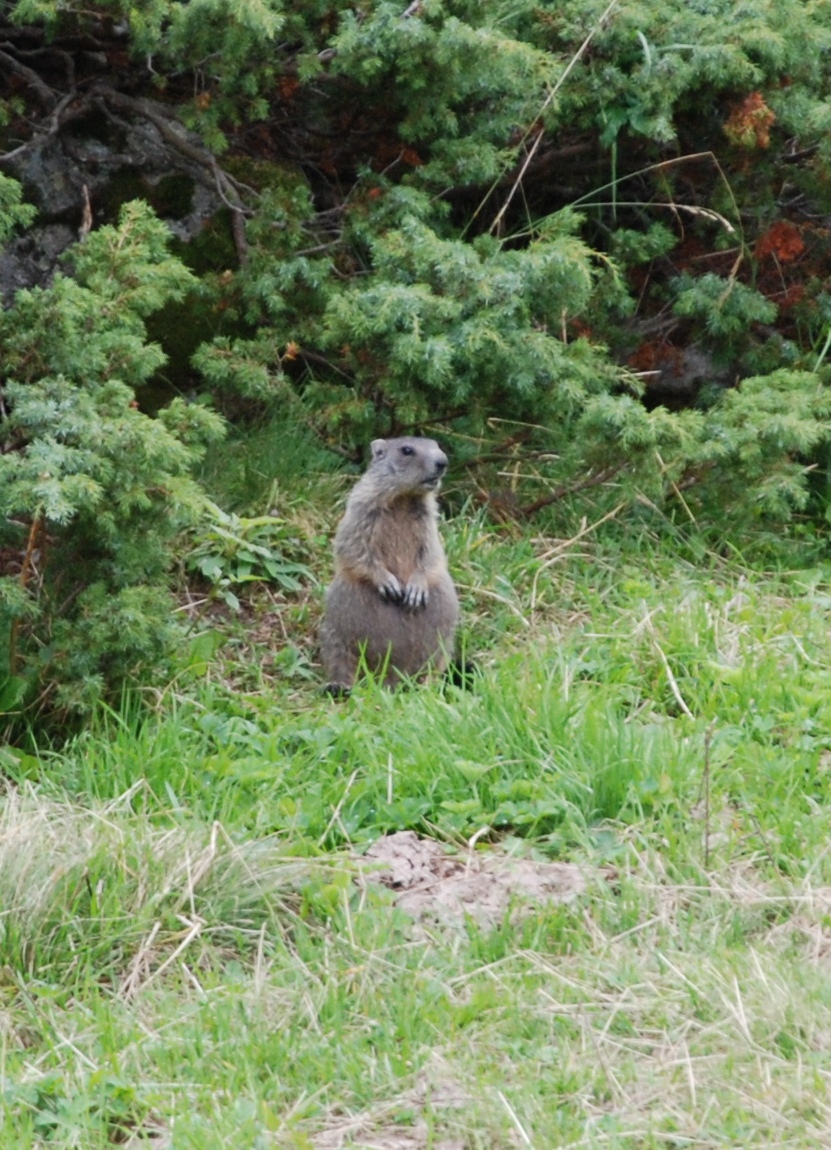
[648, 1012]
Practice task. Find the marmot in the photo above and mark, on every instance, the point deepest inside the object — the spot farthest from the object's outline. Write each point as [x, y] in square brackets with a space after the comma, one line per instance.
[392, 602]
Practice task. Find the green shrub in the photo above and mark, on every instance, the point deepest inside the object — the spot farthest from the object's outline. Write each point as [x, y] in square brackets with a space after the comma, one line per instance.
[91, 489]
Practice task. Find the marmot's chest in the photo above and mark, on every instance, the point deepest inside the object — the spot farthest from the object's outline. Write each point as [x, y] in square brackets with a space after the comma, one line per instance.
[402, 537]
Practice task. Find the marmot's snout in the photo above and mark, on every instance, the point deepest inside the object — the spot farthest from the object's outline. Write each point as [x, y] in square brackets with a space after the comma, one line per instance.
[439, 468]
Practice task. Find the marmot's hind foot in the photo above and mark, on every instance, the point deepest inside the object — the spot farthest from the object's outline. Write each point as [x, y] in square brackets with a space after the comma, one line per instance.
[336, 690]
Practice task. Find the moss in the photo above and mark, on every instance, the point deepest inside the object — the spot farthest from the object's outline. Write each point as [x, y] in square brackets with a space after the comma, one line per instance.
[179, 329]
[264, 174]
[172, 196]
[212, 249]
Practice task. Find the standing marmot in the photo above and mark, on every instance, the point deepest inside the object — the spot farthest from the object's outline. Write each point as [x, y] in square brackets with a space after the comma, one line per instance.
[392, 600]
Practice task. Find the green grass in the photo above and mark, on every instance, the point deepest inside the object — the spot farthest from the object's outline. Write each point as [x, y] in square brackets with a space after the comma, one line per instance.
[189, 959]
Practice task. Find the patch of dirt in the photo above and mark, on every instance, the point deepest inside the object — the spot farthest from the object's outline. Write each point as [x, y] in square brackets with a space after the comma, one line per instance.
[434, 886]
[416, 1137]
[373, 1130]
[152, 1134]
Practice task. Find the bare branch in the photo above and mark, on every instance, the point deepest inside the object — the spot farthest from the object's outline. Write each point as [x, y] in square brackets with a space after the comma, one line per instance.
[44, 93]
[559, 493]
[70, 107]
[167, 128]
[86, 219]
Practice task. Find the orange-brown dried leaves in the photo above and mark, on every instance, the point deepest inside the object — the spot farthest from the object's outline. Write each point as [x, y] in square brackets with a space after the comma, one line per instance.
[749, 122]
[783, 240]
[654, 357]
[288, 86]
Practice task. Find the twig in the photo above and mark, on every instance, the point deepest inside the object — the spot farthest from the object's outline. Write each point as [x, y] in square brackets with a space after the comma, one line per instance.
[46, 95]
[70, 107]
[533, 149]
[26, 570]
[86, 216]
[556, 553]
[569, 489]
[708, 736]
[673, 683]
[513, 1116]
[223, 183]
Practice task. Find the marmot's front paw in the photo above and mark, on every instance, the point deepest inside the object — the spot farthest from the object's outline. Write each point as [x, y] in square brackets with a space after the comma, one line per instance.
[391, 589]
[414, 597]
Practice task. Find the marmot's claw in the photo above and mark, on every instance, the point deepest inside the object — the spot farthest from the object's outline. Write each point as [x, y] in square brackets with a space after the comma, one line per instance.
[392, 590]
[414, 598]
[336, 690]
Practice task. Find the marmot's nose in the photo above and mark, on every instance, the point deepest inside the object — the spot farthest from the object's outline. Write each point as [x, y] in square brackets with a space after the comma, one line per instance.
[441, 464]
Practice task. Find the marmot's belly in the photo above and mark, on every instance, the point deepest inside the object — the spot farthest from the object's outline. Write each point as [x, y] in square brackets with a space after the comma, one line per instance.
[393, 638]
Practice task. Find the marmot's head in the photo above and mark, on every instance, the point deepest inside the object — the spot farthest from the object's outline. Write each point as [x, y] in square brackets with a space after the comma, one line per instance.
[413, 464]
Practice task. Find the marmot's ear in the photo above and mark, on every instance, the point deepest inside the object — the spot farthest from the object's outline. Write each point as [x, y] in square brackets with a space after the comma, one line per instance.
[378, 447]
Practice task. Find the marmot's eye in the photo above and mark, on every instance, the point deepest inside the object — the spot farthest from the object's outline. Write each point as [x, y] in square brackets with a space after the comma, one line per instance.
[407, 450]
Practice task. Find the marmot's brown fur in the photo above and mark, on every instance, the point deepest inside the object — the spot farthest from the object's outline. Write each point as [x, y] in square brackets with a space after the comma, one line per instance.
[392, 602]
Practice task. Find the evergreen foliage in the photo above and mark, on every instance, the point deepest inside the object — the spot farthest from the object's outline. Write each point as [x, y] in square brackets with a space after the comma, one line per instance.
[13, 212]
[91, 489]
[415, 313]
[447, 329]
